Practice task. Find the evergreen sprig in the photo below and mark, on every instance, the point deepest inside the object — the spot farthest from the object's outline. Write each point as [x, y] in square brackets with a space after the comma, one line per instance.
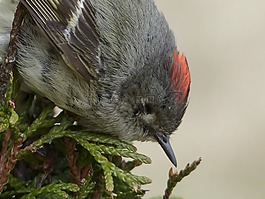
[175, 177]
[98, 150]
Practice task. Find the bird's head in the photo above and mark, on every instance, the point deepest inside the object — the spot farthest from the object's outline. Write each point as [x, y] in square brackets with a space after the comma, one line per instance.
[153, 101]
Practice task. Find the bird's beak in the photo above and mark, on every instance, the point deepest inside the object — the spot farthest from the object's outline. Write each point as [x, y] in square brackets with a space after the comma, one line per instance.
[163, 140]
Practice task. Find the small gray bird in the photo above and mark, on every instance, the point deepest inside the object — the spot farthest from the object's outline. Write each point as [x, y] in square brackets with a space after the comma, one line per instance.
[113, 62]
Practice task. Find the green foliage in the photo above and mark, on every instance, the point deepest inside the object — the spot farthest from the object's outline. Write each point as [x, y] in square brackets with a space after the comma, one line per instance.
[46, 150]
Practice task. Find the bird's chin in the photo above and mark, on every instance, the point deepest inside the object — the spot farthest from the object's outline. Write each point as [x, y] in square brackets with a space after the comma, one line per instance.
[146, 139]
[130, 137]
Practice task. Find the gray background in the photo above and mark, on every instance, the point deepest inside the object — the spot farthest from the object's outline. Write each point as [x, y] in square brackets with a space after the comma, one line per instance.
[224, 42]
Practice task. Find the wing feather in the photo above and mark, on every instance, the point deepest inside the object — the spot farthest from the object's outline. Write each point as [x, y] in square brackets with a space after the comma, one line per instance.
[71, 28]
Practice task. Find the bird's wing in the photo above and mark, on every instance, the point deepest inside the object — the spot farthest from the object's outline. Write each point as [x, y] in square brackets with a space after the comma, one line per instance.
[70, 26]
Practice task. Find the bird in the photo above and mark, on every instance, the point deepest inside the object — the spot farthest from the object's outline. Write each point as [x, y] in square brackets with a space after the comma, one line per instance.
[115, 63]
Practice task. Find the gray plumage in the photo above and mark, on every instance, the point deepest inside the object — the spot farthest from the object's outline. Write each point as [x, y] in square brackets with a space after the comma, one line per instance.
[119, 76]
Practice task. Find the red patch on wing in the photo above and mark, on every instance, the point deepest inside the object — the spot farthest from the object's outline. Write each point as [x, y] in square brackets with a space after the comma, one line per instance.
[180, 76]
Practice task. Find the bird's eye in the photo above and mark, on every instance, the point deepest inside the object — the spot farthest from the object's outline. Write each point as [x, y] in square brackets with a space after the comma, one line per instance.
[148, 109]
[143, 109]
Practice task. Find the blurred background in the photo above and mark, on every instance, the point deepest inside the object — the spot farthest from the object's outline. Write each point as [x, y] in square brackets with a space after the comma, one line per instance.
[224, 42]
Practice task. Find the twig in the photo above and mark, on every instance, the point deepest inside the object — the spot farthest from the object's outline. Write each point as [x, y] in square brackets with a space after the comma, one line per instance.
[3, 159]
[7, 164]
[175, 177]
[71, 159]
[6, 68]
